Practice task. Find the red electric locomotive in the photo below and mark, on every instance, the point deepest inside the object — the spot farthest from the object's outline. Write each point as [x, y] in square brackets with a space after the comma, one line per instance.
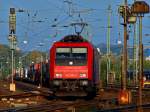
[74, 67]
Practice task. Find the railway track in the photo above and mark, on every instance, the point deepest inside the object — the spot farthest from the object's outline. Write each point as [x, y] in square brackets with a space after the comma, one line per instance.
[55, 105]
[58, 104]
[49, 106]
[28, 90]
[128, 108]
[102, 104]
[30, 87]
[21, 95]
[128, 87]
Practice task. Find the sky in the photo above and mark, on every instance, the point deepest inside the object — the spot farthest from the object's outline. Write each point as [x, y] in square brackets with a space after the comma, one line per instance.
[36, 24]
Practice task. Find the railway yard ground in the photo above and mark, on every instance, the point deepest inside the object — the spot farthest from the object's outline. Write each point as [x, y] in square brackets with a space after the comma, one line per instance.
[74, 56]
[28, 98]
[24, 95]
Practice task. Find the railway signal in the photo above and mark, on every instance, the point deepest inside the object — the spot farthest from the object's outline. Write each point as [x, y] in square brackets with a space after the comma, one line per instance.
[12, 21]
[126, 13]
[124, 95]
[13, 41]
[139, 8]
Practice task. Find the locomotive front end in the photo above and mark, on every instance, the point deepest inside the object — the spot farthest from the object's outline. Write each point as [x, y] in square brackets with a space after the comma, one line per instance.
[71, 68]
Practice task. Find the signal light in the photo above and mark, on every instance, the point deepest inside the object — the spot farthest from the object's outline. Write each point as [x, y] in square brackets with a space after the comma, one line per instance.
[124, 97]
[83, 75]
[58, 75]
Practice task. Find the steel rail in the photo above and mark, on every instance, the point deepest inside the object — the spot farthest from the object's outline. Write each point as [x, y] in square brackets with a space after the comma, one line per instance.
[129, 107]
[60, 105]
[21, 95]
[41, 107]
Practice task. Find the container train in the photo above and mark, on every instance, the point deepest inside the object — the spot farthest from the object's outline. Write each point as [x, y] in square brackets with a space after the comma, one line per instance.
[36, 73]
[73, 68]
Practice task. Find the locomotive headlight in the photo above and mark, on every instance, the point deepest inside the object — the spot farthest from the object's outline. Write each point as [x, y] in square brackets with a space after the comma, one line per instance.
[84, 83]
[83, 75]
[57, 83]
[58, 75]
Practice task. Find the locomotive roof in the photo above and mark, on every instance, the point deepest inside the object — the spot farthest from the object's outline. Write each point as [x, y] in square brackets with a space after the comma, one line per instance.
[73, 38]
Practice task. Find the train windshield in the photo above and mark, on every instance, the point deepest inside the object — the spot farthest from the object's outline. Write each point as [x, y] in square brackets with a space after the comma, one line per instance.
[71, 56]
[79, 53]
[63, 53]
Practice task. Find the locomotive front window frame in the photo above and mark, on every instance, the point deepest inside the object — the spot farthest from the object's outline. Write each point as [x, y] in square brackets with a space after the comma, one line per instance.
[79, 50]
[63, 50]
[63, 53]
[77, 55]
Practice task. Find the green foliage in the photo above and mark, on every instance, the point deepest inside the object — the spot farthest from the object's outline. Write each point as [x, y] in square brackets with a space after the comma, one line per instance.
[114, 67]
[5, 60]
[26, 59]
[33, 57]
[103, 68]
[146, 64]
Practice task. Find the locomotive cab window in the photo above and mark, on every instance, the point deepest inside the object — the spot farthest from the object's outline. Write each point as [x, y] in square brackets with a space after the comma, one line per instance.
[63, 53]
[79, 53]
[78, 56]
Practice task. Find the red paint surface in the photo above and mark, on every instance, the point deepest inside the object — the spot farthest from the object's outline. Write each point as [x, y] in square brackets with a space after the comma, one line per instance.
[71, 71]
